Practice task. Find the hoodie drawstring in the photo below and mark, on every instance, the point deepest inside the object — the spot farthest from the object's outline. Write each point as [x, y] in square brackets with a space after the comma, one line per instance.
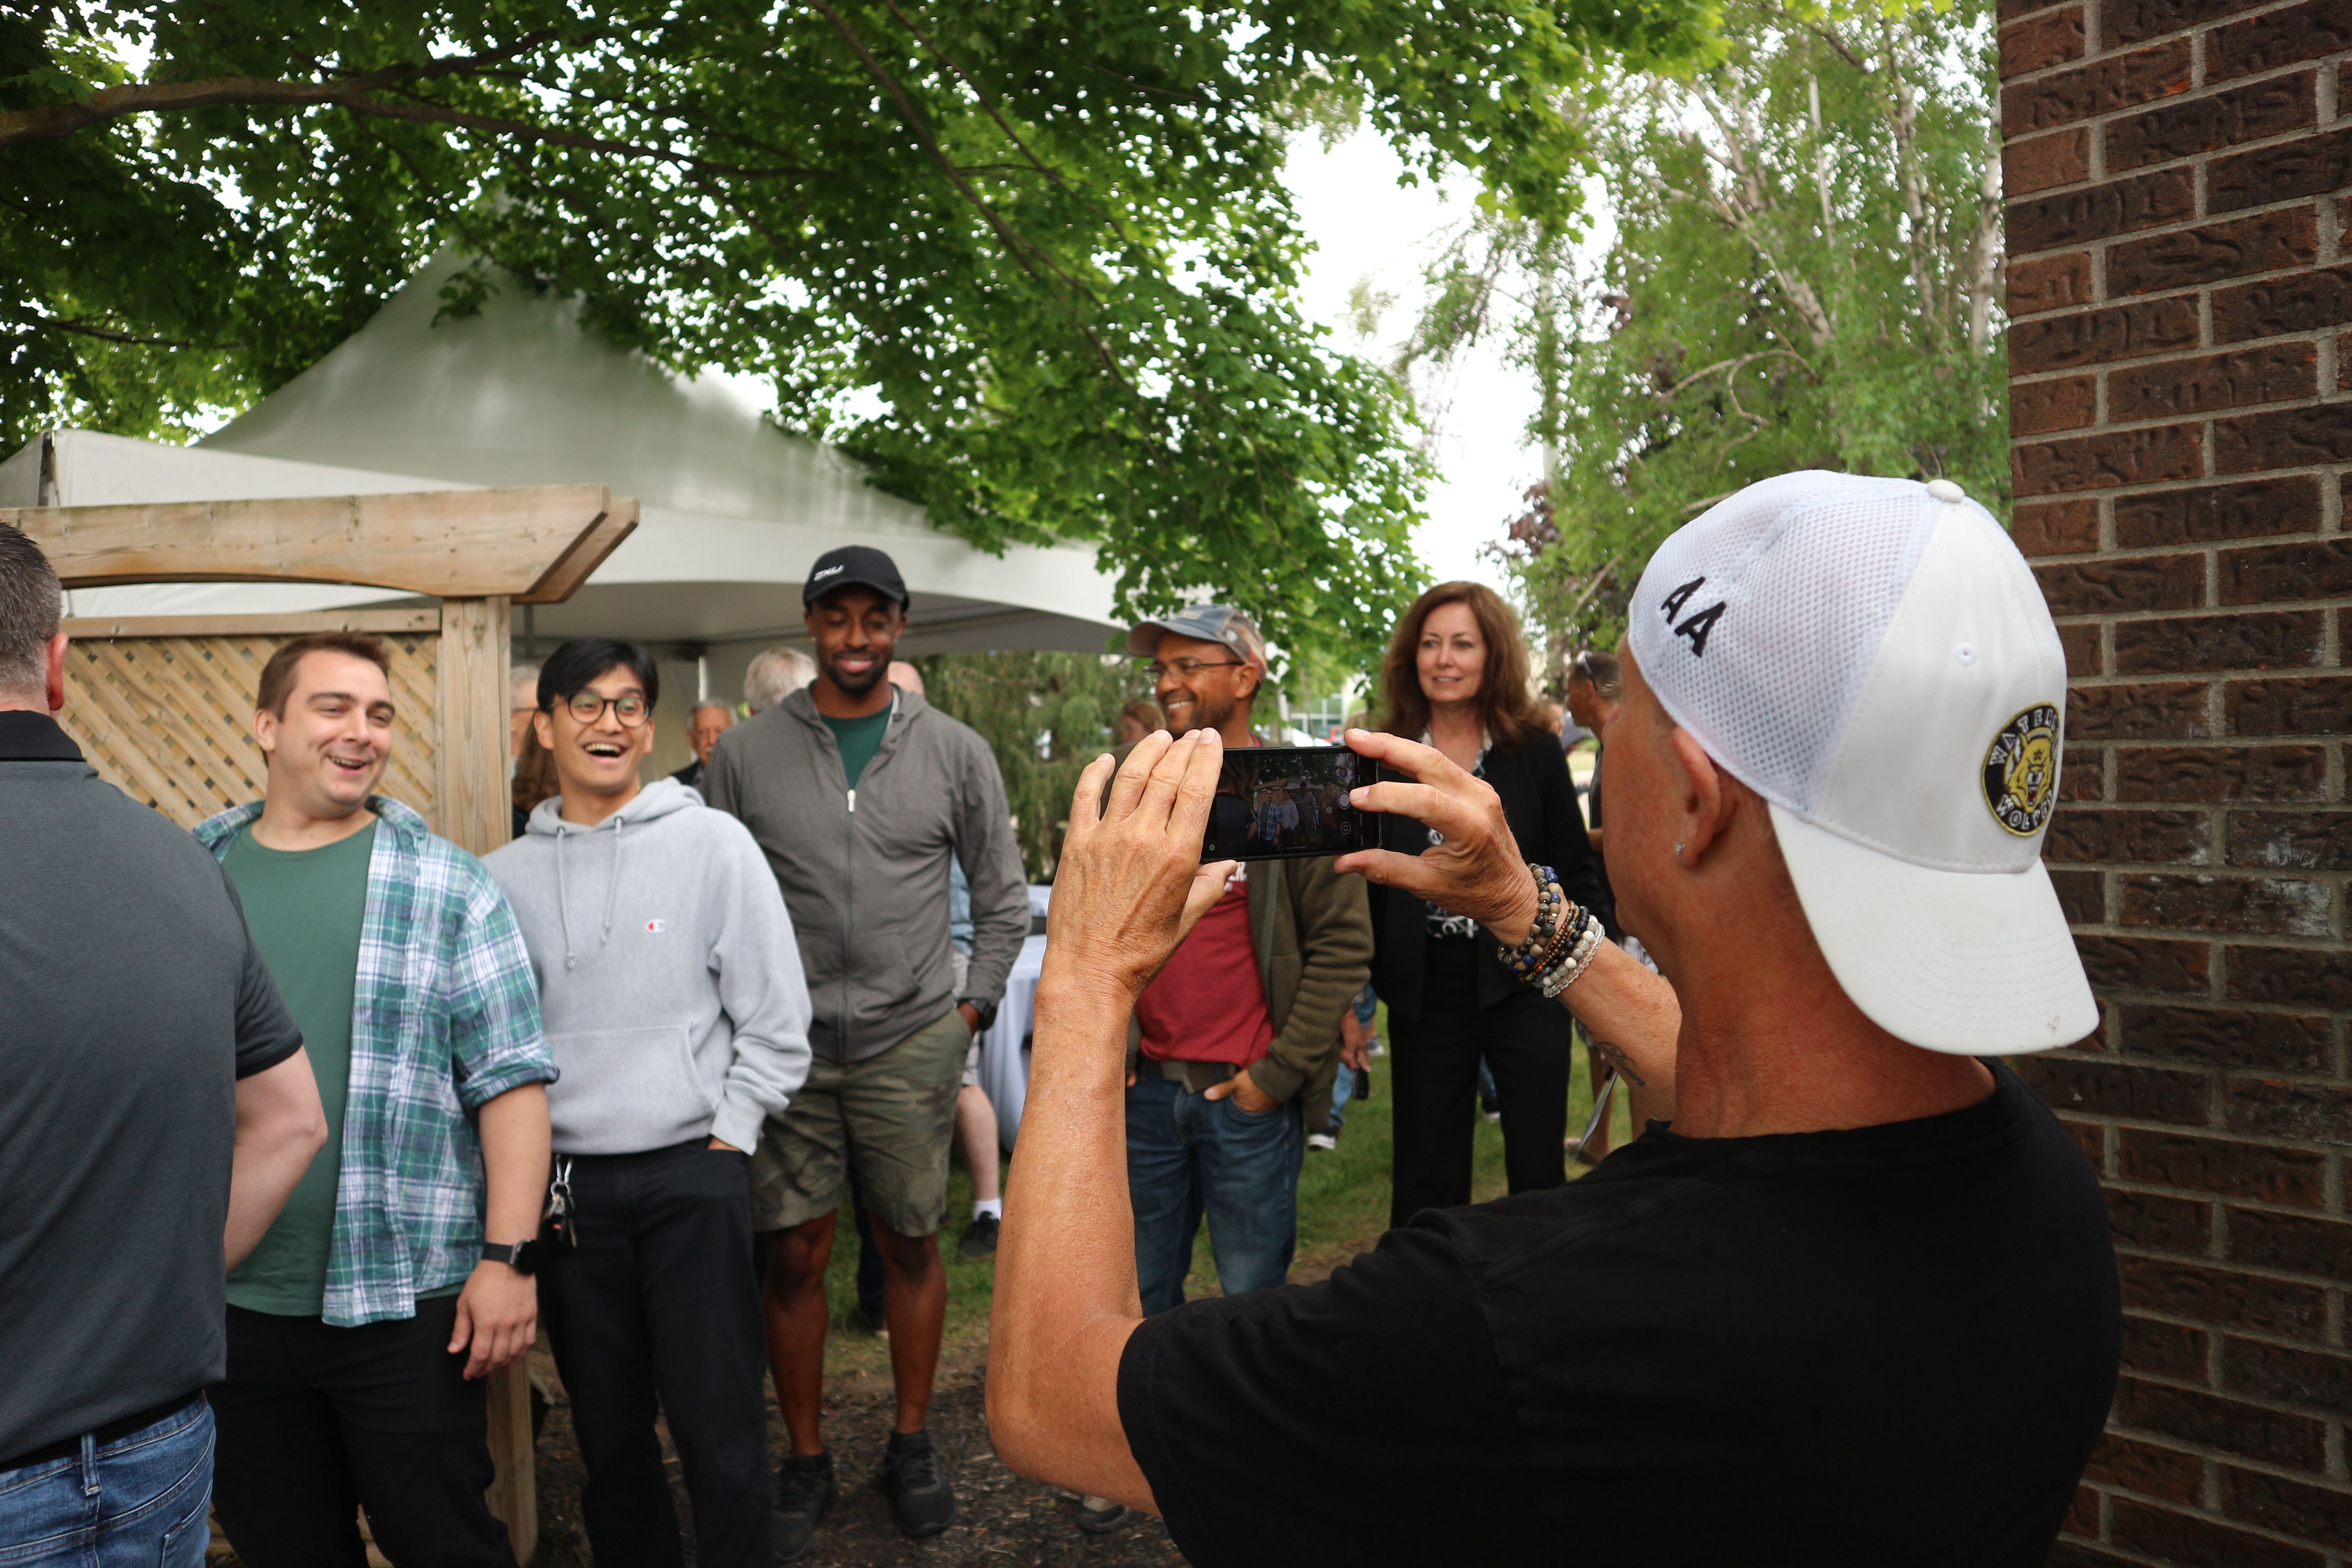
[562, 903]
[611, 892]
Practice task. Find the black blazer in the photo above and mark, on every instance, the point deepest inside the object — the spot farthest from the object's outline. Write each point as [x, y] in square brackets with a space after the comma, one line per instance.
[1540, 799]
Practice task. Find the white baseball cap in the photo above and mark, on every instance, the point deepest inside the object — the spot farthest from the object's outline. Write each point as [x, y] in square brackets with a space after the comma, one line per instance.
[1873, 658]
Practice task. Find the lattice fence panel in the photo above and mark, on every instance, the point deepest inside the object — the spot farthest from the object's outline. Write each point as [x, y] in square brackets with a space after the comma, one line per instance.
[169, 719]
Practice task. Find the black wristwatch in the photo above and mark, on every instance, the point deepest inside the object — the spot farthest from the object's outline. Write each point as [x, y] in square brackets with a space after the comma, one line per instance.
[522, 1257]
[987, 1011]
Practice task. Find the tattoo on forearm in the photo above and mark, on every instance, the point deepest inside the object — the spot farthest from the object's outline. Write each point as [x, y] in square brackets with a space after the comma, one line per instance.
[1621, 1062]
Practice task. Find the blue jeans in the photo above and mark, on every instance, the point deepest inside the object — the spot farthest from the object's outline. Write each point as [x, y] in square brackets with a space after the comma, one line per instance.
[1188, 1155]
[141, 1498]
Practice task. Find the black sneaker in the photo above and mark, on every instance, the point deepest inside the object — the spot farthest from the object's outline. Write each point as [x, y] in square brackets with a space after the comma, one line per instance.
[1100, 1516]
[979, 1241]
[918, 1484]
[804, 1489]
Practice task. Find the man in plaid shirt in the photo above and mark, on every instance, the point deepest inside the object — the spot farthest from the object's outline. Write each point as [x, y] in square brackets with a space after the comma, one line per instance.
[399, 1273]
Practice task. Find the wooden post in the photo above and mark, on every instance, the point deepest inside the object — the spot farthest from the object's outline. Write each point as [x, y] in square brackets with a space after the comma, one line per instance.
[475, 815]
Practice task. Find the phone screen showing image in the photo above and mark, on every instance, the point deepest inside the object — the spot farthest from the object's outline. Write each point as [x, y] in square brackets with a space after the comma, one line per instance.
[1278, 801]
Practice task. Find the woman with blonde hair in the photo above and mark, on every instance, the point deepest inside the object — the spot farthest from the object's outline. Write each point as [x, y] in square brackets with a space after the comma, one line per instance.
[1455, 677]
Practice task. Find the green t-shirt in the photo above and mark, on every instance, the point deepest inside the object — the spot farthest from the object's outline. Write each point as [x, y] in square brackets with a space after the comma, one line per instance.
[304, 908]
[859, 739]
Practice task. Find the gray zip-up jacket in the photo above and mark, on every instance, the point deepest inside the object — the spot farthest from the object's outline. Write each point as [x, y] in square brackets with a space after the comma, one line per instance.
[864, 871]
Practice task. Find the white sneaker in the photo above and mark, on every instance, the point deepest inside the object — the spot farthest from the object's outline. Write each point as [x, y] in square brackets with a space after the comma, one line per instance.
[1325, 1141]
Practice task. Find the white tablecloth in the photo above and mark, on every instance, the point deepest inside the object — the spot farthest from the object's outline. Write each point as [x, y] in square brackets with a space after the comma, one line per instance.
[1005, 1049]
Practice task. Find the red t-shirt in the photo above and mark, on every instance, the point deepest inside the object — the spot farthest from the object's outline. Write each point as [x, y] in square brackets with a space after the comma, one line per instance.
[1208, 1005]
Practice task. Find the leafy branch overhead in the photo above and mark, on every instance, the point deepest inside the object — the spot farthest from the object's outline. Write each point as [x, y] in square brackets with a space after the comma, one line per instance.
[1034, 264]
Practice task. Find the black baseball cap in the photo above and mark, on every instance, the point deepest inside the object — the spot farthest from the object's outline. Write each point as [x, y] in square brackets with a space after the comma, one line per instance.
[859, 564]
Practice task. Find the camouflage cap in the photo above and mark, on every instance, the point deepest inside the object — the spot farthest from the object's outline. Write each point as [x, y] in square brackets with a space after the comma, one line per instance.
[1209, 622]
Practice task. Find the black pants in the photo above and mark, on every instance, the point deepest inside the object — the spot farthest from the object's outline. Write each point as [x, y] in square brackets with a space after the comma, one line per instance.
[659, 1302]
[317, 1422]
[1434, 1079]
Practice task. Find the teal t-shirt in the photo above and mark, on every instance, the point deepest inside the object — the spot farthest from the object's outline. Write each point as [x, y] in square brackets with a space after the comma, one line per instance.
[305, 908]
[859, 739]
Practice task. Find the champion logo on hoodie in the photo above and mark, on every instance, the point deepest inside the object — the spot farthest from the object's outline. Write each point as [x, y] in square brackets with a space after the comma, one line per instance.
[657, 927]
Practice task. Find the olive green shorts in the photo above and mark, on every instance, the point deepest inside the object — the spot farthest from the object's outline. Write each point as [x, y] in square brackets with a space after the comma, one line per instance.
[890, 1117]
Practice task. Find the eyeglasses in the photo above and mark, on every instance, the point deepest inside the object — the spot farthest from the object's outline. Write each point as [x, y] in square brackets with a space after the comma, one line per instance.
[1189, 667]
[631, 708]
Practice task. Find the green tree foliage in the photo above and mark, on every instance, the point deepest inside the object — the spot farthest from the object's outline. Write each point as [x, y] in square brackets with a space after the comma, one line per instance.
[1804, 273]
[1031, 262]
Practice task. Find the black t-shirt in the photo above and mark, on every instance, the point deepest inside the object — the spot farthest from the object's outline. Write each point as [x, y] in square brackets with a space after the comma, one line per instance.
[1890, 1345]
[131, 1003]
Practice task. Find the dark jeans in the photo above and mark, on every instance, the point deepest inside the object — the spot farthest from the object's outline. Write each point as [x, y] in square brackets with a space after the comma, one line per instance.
[318, 1422]
[1188, 1155]
[131, 1502]
[1433, 1077]
[659, 1302]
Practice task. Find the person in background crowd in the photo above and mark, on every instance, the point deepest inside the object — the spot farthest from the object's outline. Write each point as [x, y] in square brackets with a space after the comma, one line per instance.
[1455, 677]
[528, 770]
[534, 780]
[1857, 1304]
[1596, 696]
[1140, 718]
[773, 675]
[704, 725]
[1349, 1076]
[672, 993]
[861, 794]
[522, 693]
[157, 1115]
[400, 1273]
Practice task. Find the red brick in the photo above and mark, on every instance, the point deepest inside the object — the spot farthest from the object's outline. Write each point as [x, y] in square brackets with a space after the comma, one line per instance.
[2052, 38]
[2080, 834]
[2071, 1552]
[2041, 162]
[2318, 705]
[2265, 906]
[2150, 711]
[2164, 1350]
[2286, 1108]
[2221, 1165]
[2222, 774]
[2102, 337]
[2320, 570]
[2277, 640]
[2155, 1530]
[2286, 1308]
[2128, 21]
[2101, 87]
[2111, 1088]
[2089, 1139]
[2265, 243]
[2197, 125]
[2291, 1376]
[2127, 583]
[2156, 1222]
[2292, 1243]
[2262, 43]
[2322, 1513]
[2081, 896]
[2055, 527]
[2305, 166]
[2146, 1468]
[2009, 11]
[2114, 457]
[2146, 963]
[2119, 206]
[2302, 303]
[2051, 283]
[2169, 388]
[2245, 510]
[2287, 439]
[2297, 840]
[2292, 1442]
[2083, 659]
[2039, 406]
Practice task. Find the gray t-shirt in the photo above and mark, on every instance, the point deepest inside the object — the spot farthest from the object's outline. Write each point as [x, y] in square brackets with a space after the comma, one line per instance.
[134, 1001]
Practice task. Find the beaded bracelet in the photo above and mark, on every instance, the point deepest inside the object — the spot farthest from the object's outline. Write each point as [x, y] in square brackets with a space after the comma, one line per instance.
[1580, 958]
[1525, 959]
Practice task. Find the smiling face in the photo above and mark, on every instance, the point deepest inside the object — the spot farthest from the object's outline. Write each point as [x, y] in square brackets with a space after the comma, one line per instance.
[854, 629]
[597, 763]
[1451, 660]
[329, 747]
[1213, 695]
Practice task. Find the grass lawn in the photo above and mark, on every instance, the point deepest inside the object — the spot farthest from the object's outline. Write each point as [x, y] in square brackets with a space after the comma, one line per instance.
[1343, 1206]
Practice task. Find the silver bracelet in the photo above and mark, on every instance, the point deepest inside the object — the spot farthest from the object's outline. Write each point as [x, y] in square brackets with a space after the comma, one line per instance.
[1580, 958]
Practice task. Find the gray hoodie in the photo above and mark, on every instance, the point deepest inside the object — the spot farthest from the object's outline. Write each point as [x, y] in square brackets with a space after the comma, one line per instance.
[865, 870]
[667, 973]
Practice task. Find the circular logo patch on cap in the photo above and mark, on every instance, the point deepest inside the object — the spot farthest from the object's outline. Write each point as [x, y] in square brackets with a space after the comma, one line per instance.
[2021, 770]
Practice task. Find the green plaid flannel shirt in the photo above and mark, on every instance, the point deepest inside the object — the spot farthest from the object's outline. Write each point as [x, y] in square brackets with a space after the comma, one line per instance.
[443, 1020]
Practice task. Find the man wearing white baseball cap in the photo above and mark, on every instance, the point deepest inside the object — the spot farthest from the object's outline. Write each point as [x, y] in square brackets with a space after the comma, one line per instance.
[1850, 1300]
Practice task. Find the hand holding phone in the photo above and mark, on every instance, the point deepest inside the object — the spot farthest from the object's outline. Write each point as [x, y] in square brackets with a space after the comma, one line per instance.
[1278, 803]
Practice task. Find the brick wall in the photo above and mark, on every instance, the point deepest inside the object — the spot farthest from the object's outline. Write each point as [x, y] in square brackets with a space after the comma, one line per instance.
[2180, 286]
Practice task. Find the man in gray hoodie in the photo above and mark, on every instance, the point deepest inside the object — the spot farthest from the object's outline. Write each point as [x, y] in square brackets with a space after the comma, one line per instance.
[672, 991]
[861, 794]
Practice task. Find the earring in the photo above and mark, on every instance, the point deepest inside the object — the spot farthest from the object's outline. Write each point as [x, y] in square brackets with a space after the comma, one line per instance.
[1679, 851]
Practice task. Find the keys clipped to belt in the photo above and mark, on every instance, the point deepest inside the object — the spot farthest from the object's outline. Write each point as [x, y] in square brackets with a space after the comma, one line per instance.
[559, 1232]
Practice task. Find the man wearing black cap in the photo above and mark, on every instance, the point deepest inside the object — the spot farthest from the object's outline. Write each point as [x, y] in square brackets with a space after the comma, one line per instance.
[860, 793]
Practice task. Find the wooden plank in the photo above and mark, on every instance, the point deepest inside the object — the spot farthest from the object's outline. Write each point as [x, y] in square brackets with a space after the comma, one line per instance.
[382, 623]
[445, 543]
[563, 578]
[476, 807]
[514, 1494]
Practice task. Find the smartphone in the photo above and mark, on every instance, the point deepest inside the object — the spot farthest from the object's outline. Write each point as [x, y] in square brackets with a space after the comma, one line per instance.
[1277, 803]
